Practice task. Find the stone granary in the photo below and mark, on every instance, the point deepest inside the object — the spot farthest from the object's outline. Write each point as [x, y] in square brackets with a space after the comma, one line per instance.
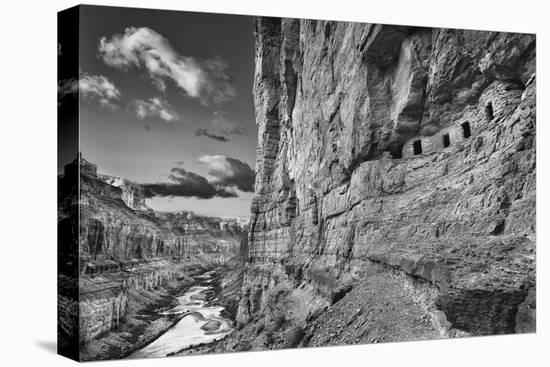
[497, 101]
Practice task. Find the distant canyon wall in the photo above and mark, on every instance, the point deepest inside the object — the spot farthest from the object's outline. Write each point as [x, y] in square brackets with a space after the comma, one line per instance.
[128, 255]
[117, 226]
[392, 153]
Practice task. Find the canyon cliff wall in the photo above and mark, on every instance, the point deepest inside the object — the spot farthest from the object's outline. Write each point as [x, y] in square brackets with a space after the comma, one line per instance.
[129, 258]
[118, 229]
[395, 185]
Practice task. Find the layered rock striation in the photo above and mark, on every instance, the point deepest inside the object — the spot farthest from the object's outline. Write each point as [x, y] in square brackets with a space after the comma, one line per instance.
[116, 227]
[395, 185]
[130, 260]
[133, 194]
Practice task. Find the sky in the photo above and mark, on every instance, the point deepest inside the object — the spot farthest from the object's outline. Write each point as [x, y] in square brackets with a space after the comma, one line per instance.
[166, 101]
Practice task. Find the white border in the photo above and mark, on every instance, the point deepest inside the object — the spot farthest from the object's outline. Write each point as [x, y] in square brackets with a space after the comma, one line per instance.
[28, 151]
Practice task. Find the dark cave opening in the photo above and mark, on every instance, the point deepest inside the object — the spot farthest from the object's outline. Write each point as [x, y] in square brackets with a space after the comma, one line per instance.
[396, 151]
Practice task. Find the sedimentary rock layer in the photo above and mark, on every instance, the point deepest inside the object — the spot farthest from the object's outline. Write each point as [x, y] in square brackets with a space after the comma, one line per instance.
[113, 233]
[130, 259]
[396, 172]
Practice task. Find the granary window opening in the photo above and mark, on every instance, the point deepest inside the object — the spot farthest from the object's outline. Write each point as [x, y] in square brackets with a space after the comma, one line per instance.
[417, 147]
[446, 140]
[489, 113]
[466, 131]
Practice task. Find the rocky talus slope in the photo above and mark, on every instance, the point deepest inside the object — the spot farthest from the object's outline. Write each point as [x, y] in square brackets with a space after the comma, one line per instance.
[395, 185]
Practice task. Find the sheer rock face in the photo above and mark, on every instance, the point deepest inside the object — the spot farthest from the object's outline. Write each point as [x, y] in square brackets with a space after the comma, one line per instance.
[133, 194]
[346, 206]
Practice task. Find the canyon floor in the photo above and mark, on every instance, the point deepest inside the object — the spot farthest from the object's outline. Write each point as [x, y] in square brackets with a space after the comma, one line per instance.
[153, 314]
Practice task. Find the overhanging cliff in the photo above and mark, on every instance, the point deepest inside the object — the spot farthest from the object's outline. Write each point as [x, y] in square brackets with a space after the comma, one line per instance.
[395, 185]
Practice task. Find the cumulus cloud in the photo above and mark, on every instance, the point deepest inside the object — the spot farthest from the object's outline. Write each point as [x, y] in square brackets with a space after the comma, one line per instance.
[145, 49]
[99, 87]
[155, 107]
[236, 130]
[221, 128]
[226, 175]
[93, 87]
[221, 121]
[229, 172]
[184, 183]
[66, 88]
[208, 134]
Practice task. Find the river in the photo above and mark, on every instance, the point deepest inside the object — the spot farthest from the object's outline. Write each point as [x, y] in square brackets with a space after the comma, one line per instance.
[202, 322]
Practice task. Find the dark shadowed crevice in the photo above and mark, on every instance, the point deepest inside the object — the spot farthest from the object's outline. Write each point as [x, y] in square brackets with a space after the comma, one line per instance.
[327, 30]
[499, 228]
[291, 83]
[339, 293]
